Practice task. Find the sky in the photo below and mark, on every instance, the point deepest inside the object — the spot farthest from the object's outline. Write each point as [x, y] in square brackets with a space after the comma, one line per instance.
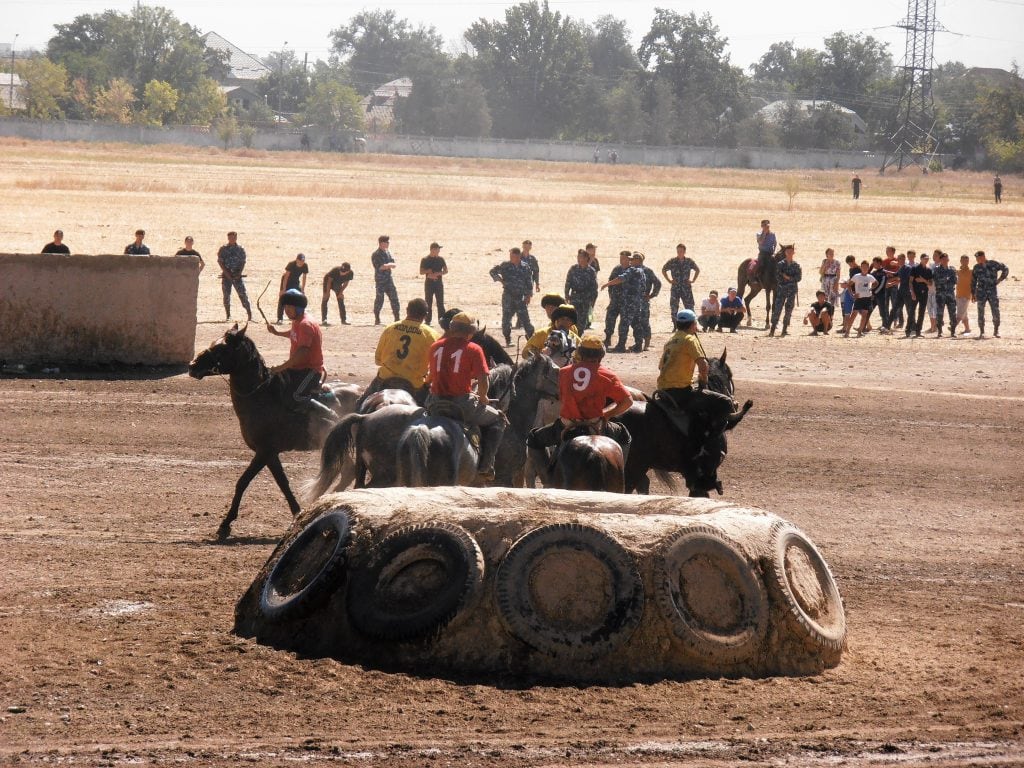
[981, 33]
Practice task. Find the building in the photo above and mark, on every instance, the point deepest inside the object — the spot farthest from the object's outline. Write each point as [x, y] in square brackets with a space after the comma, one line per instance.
[773, 112]
[244, 72]
[12, 95]
[379, 106]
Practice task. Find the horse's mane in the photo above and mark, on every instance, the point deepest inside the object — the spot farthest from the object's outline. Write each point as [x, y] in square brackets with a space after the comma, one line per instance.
[248, 349]
[499, 380]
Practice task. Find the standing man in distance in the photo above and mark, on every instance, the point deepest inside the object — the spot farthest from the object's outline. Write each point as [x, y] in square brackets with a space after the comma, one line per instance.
[964, 277]
[944, 278]
[634, 288]
[920, 282]
[531, 261]
[189, 250]
[652, 287]
[231, 259]
[57, 245]
[516, 280]
[591, 250]
[856, 188]
[997, 188]
[383, 279]
[986, 275]
[293, 278]
[789, 274]
[336, 280]
[136, 248]
[677, 272]
[433, 268]
[611, 314]
[581, 288]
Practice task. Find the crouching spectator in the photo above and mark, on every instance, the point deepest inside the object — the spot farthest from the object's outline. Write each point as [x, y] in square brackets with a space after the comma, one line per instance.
[820, 316]
[710, 312]
[732, 311]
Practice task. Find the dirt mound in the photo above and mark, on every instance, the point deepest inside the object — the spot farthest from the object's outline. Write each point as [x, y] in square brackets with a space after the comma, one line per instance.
[483, 582]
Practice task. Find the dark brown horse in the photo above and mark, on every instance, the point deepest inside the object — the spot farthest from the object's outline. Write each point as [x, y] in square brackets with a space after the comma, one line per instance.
[590, 463]
[270, 424]
[766, 280]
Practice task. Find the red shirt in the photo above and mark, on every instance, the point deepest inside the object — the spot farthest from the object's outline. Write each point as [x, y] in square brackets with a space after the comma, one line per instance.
[585, 389]
[454, 364]
[306, 333]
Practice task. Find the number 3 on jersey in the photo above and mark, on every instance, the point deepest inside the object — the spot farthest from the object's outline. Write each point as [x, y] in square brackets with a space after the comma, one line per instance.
[455, 358]
[580, 379]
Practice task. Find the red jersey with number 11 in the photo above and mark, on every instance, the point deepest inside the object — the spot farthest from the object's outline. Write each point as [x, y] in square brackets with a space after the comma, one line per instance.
[454, 364]
[586, 388]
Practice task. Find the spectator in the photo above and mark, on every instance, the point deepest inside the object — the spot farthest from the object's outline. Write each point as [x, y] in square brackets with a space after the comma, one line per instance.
[820, 316]
[57, 246]
[652, 287]
[864, 284]
[677, 272]
[963, 292]
[531, 260]
[136, 248]
[856, 188]
[878, 272]
[188, 250]
[852, 266]
[902, 291]
[516, 280]
[591, 250]
[634, 288]
[611, 314]
[789, 274]
[997, 188]
[336, 280]
[890, 264]
[944, 279]
[829, 271]
[732, 311]
[581, 288]
[433, 267]
[231, 259]
[383, 279]
[920, 280]
[986, 276]
[846, 301]
[293, 278]
[710, 317]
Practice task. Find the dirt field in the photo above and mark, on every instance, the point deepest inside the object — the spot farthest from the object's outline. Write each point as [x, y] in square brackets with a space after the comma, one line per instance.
[901, 459]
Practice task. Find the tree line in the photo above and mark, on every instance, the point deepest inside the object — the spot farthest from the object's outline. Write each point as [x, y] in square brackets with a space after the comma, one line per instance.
[536, 74]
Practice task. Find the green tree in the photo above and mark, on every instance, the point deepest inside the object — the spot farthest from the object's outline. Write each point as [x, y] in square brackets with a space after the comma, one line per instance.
[333, 105]
[114, 103]
[376, 47]
[611, 53]
[158, 102]
[446, 100]
[534, 65]
[786, 69]
[45, 87]
[287, 84]
[687, 52]
[201, 105]
[850, 64]
[660, 108]
[226, 127]
[626, 119]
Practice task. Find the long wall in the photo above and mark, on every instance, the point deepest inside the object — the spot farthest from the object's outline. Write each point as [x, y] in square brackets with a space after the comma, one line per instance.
[118, 310]
[699, 157]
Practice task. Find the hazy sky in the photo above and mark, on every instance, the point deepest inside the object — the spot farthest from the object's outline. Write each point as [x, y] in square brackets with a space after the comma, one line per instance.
[983, 33]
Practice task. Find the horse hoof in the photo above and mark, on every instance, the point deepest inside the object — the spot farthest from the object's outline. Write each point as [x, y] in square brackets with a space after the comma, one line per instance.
[223, 532]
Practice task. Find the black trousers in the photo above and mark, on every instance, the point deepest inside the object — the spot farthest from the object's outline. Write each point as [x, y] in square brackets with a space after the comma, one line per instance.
[916, 309]
[434, 289]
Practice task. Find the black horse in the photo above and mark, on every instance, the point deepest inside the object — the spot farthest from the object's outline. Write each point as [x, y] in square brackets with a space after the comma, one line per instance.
[269, 425]
[767, 280]
[659, 445]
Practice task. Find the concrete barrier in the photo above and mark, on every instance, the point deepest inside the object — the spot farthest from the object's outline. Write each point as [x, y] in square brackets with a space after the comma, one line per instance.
[120, 310]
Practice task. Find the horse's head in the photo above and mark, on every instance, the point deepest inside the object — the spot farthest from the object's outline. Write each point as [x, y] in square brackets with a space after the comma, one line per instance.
[224, 356]
[720, 376]
[538, 374]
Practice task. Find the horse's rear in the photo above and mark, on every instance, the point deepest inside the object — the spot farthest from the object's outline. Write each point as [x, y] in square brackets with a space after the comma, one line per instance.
[591, 463]
[434, 451]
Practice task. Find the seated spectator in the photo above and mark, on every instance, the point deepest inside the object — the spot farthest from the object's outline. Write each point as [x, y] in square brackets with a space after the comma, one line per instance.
[710, 312]
[820, 316]
[732, 311]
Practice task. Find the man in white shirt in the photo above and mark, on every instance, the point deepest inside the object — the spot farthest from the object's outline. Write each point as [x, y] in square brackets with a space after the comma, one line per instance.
[863, 296]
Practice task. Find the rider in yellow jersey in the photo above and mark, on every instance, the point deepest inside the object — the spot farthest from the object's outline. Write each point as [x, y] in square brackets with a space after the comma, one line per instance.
[563, 318]
[403, 350]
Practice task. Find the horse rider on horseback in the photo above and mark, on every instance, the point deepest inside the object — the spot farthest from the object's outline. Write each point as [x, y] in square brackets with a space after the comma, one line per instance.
[683, 352]
[402, 352]
[454, 363]
[584, 387]
[303, 371]
[563, 318]
[766, 242]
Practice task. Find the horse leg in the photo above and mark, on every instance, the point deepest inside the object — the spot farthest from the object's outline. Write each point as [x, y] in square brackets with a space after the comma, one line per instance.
[274, 464]
[250, 472]
[753, 293]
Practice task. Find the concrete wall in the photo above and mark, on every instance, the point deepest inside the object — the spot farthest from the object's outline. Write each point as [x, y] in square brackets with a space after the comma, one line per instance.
[129, 310]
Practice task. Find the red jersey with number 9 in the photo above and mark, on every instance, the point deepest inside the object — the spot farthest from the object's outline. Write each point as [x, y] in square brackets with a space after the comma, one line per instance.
[454, 364]
[586, 388]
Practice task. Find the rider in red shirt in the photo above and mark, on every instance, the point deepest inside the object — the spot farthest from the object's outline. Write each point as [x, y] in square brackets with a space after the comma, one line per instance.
[303, 371]
[590, 394]
[455, 363]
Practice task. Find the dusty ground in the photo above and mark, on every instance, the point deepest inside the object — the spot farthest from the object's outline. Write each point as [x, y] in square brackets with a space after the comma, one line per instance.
[900, 459]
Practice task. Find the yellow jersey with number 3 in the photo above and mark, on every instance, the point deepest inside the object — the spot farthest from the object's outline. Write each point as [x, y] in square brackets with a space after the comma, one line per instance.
[678, 360]
[404, 351]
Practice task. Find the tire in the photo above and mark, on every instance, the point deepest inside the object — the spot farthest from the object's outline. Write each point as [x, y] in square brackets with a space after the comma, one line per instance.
[311, 568]
[414, 582]
[543, 575]
[805, 585]
[711, 596]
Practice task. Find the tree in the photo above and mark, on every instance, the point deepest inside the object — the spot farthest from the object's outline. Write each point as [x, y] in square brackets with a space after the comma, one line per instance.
[227, 129]
[287, 84]
[45, 87]
[626, 121]
[660, 107]
[533, 66]
[201, 105]
[376, 47]
[159, 101]
[611, 54]
[446, 100]
[786, 69]
[114, 103]
[849, 66]
[688, 53]
[333, 105]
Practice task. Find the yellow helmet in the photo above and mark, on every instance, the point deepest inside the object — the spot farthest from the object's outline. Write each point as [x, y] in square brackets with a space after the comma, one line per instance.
[463, 323]
[591, 341]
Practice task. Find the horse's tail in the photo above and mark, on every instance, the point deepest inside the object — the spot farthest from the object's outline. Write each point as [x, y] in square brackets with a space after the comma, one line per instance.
[413, 455]
[337, 454]
[668, 478]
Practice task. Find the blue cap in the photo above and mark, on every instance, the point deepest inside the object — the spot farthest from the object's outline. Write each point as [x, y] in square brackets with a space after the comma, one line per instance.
[686, 316]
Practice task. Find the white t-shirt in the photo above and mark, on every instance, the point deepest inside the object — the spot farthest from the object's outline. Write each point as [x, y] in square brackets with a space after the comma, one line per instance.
[863, 285]
[709, 307]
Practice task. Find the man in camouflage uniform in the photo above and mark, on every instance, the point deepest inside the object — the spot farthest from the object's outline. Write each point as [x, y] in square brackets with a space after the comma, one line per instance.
[516, 279]
[944, 280]
[789, 274]
[634, 288]
[985, 276]
[652, 288]
[231, 258]
[611, 314]
[677, 272]
[531, 261]
[581, 288]
[383, 263]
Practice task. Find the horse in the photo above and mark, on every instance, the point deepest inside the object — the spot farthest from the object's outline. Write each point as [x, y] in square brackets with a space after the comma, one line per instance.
[659, 445]
[590, 463]
[270, 425]
[435, 450]
[384, 397]
[767, 280]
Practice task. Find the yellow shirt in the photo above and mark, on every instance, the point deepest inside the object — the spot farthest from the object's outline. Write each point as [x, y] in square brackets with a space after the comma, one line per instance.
[678, 360]
[403, 351]
[536, 342]
[963, 283]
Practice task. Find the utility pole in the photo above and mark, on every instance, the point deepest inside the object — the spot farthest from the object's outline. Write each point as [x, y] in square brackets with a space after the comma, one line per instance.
[280, 79]
[11, 105]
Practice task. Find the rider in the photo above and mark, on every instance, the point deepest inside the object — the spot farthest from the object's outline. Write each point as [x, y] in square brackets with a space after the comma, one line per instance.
[563, 318]
[454, 362]
[303, 371]
[584, 387]
[402, 351]
[683, 352]
[766, 242]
